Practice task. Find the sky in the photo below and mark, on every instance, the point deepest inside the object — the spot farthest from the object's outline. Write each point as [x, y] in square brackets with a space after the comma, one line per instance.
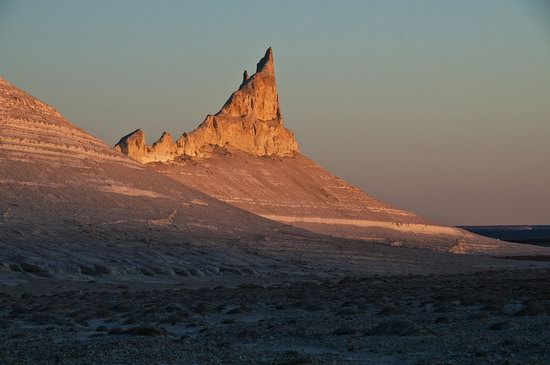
[439, 107]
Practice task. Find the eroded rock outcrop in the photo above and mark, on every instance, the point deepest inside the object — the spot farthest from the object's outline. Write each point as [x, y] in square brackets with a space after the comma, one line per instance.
[294, 191]
[250, 121]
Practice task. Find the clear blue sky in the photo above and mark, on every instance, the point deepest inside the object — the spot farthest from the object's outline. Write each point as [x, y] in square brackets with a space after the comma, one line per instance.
[440, 107]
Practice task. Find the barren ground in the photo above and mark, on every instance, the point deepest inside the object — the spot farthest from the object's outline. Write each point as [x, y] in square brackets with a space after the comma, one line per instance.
[495, 317]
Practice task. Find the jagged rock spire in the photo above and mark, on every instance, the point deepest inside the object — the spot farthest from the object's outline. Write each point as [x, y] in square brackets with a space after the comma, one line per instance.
[257, 97]
[250, 121]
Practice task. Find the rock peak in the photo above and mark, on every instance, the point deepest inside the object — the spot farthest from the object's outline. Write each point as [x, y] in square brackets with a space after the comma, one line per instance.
[257, 96]
[266, 63]
[250, 121]
[132, 144]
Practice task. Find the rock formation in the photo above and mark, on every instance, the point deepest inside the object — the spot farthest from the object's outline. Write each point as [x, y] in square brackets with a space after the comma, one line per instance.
[250, 121]
[289, 187]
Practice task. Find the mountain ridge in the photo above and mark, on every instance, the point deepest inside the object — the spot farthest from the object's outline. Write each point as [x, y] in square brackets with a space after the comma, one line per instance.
[286, 187]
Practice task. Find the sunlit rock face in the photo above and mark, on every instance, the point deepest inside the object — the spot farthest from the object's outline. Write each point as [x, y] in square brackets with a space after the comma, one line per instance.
[257, 96]
[250, 121]
[135, 147]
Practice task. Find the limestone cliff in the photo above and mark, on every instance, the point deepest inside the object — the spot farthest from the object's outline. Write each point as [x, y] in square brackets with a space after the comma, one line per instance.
[250, 121]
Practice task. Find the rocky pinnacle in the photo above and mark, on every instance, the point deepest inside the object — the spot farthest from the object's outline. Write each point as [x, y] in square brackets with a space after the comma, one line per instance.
[250, 121]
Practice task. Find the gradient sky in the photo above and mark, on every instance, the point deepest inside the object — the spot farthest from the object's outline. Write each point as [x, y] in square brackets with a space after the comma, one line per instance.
[440, 107]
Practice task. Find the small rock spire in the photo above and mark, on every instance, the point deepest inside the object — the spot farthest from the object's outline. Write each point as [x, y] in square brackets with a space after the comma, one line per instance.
[257, 97]
[245, 76]
[266, 62]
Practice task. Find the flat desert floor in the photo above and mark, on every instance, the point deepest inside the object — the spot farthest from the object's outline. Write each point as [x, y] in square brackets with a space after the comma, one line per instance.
[491, 317]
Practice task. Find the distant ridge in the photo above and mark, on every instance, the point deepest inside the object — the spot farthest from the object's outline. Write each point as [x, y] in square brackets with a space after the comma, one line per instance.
[531, 234]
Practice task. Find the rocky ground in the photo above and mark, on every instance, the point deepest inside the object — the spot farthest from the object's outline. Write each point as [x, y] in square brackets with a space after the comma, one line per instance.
[498, 317]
